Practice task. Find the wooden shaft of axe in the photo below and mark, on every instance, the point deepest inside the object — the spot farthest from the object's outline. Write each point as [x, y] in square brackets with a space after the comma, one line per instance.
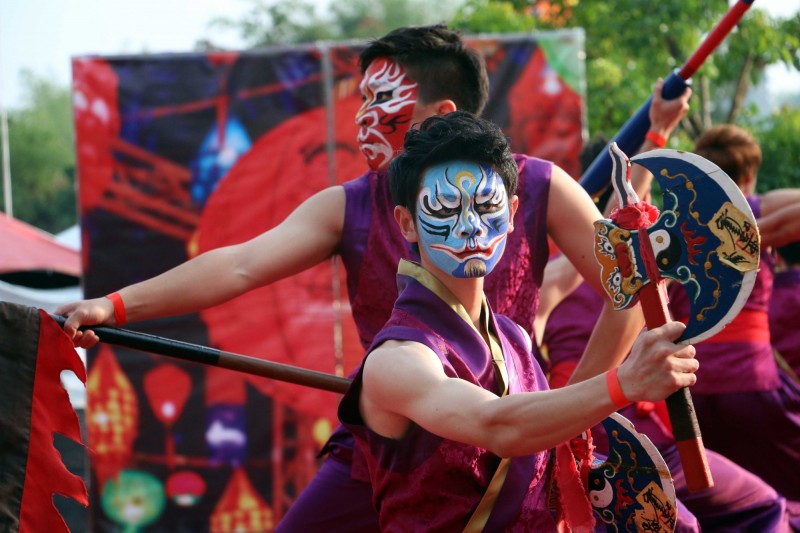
[682, 415]
[197, 353]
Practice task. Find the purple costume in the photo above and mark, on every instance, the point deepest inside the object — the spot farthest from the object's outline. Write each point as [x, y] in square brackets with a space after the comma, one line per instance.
[784, 325]
[748, 409]
[425, 482]
[339, 496]
[739, 500]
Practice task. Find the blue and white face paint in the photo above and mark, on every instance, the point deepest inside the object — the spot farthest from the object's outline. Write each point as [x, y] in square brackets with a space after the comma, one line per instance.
[463, 217]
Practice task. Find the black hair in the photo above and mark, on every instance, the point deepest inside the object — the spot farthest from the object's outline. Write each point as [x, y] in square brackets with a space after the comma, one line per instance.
[790, 253]
[442, 138]
[438, 60]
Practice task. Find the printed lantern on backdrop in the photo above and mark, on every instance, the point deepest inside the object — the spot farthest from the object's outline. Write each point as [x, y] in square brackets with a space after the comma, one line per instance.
[113, 415]
[133, 499]
[241, 508]
[185, 488]
[167, 387]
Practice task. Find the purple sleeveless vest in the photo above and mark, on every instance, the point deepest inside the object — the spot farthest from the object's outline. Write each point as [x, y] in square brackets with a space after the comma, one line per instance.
[784, 324]
[742, 366]
[441, 480]
[571, 323]
[372, 247]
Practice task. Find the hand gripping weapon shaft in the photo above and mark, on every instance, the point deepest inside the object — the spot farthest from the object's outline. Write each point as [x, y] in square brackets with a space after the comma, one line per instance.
[705, 238]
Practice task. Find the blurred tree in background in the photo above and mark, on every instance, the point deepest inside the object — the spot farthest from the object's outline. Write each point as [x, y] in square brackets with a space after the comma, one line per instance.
[629, 45]
[42, 148]
[299, 21]
[779, 135]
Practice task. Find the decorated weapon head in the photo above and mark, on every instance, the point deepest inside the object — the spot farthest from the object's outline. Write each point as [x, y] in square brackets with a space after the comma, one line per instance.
[705, 238]
[632, 490]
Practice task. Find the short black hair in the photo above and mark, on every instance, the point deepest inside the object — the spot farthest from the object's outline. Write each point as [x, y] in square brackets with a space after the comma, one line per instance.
[442, 138]
[438, 60]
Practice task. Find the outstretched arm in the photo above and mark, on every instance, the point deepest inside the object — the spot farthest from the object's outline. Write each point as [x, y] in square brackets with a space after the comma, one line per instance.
[779, 224]
[404, 382]
[306, 237]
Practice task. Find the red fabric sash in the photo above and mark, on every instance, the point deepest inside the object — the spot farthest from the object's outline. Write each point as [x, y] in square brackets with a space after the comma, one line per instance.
[750, 325]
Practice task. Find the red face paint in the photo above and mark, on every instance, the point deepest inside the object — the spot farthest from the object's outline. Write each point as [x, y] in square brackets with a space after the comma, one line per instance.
[385, 116]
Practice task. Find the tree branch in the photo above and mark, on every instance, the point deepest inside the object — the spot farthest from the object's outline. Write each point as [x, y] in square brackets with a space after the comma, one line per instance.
[742, 86]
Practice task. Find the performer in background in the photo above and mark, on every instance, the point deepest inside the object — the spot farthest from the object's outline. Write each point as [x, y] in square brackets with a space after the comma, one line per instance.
[784, 309]
[429, 438]
[747, 407]
[569, 307]
[409, 75]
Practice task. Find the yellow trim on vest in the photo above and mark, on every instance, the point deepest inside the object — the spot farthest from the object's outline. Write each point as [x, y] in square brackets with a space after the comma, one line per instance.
[433, 284]
[482, 512]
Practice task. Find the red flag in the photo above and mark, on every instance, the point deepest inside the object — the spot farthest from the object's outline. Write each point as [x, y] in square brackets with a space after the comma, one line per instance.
[33, 406]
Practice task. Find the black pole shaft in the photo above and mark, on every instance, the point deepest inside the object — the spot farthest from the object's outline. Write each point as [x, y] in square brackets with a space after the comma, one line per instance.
[205, 355]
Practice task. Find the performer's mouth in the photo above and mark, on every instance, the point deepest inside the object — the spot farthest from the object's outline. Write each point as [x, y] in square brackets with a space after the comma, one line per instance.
[467, 252]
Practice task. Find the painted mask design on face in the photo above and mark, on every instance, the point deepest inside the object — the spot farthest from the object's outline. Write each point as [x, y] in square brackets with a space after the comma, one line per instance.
[463, 217]
[385, 116]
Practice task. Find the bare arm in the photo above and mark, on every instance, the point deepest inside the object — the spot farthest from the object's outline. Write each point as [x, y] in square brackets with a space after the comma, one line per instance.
[306, 237]
[560, 279]
[615, 330]
[404, 382]
[664, 115]
[570, 220]
[779, 224]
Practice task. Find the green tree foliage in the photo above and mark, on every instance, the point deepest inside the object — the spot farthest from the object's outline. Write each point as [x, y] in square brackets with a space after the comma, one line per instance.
[271, 22]
[631, 43]
[778, 136]
[487, 16]
[42, 153]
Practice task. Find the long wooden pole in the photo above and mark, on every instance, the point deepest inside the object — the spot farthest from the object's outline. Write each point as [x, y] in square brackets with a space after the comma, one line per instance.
[205, 355]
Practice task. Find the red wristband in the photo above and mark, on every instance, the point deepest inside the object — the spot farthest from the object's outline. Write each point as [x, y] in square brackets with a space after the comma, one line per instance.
[119, 307]
[655, 138]
[615, 391]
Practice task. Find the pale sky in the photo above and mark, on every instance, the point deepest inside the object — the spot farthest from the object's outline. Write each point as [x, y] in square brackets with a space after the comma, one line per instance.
[42, 35]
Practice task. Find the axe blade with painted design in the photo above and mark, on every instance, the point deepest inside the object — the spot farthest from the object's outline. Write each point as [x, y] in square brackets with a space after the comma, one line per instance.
[705, 238]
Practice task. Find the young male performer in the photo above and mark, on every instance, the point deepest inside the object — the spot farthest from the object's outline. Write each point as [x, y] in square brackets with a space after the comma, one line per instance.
[448, 387]
[409, 74]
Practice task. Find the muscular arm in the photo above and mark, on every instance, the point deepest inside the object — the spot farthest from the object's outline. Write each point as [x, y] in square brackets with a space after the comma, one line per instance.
[404, 382]
[307, 236]
[570, 218]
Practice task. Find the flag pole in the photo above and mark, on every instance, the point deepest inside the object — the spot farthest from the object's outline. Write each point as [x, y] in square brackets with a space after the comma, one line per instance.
[205, 355]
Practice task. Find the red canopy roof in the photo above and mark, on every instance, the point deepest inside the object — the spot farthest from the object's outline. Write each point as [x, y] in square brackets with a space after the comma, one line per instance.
[26, 248]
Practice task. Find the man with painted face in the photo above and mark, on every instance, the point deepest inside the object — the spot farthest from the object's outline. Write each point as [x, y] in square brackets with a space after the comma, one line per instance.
[441, 396]
[409, 74]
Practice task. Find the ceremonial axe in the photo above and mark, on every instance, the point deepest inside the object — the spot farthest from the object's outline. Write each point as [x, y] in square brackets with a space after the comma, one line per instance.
[705, 238]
